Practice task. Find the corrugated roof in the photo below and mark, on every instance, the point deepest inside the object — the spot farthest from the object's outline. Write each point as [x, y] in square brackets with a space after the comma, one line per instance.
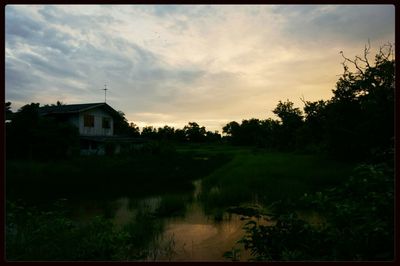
[70, 108]
[74, 108]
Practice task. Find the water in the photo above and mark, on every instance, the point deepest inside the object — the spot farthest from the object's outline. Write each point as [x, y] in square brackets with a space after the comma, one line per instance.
[197, 237]
[191, 237]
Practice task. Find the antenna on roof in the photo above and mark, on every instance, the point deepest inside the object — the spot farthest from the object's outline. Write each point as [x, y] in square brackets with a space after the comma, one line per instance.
[105, 92]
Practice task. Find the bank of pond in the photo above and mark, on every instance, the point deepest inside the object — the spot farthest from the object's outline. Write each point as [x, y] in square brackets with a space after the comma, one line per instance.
[199, 204]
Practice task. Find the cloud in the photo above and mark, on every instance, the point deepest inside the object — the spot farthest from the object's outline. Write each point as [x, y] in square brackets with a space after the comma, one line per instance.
[333, 23]
[19, 24]
[173, 64]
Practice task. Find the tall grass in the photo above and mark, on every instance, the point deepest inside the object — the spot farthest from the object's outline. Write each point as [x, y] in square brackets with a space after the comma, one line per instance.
[358, 224]
[268, 177]
[106, 177]
[51, 235]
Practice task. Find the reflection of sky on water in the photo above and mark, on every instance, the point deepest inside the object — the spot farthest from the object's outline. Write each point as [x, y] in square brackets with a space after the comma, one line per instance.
[194, 237]
[198, 238]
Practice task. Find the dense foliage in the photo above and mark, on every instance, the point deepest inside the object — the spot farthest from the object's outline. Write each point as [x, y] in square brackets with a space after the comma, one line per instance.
[357, 223]
[31, 136]
[356, 123]
[191, 133]
[51, 235]
[123, 128]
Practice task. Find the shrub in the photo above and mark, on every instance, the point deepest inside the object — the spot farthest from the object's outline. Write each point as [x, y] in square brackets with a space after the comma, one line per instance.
[359, 223]
[50, 235]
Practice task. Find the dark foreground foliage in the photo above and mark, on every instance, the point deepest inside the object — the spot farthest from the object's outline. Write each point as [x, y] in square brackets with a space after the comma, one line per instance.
[357, 224]
[107, 177]
[31, 136]
[51, 235]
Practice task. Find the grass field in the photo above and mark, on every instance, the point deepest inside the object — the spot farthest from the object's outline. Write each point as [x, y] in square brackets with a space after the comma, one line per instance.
[258, 175]
[230, 175]
[97, 177]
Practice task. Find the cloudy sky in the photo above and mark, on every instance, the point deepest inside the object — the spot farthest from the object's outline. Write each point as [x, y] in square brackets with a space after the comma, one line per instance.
[166, 64]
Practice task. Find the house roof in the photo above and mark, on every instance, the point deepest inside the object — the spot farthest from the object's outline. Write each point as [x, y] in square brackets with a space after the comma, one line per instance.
[73, 108]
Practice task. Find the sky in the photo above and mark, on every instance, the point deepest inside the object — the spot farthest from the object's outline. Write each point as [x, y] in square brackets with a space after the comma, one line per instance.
[174, 64]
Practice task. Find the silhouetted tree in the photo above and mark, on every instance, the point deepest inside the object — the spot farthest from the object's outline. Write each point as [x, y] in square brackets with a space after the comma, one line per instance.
[292, 120]
[289, 115]
[134, 129]
[361, 112]
[356, 123]
[122, 127]
[232, 130]
[149, 132]
[30, 136]
[166, 133]
[58, 103]
[250, 132]
[194, 133]
[180, 135]
[313, 133]
[213, 136]
[7, 111]
[269, 134]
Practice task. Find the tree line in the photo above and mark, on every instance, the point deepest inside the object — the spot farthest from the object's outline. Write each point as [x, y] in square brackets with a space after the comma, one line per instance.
[192, 132]
[357, 122]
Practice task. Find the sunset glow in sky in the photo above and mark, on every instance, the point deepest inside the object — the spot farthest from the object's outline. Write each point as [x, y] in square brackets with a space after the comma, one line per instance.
[168, 65]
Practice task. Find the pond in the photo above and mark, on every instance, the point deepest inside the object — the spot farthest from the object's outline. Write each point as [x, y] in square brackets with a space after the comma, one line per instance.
[191, 235]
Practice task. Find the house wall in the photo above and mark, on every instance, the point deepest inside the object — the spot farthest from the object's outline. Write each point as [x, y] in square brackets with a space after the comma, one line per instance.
[74, 120]
[97, 130]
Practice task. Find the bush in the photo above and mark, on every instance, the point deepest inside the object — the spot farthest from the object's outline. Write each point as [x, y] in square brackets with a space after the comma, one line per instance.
[49, 235]
[360, 223]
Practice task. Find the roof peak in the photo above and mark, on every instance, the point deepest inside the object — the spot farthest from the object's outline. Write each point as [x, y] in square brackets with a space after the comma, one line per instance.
[71, 108]
[77, 104]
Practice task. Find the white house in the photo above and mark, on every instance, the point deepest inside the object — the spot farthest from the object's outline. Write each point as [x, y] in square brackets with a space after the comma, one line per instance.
[96, 126]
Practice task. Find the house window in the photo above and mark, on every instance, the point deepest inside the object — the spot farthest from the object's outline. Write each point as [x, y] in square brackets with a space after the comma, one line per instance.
[88, 121]
[106, 122]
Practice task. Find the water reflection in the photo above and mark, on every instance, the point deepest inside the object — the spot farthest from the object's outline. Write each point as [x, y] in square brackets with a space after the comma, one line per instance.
[123, 213]
[190, 236]
[201, 239]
